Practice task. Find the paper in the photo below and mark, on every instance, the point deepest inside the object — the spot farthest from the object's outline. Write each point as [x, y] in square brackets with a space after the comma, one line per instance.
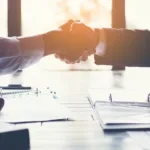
[121, 109]
[111, 115]
[133, 119]
[123, 118]
[32, 108]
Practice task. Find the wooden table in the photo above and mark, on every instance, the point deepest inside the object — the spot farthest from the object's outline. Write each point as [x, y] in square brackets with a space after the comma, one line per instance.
[85, 132]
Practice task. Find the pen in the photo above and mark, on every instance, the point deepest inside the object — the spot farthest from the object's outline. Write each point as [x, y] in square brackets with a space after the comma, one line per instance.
[16, 87]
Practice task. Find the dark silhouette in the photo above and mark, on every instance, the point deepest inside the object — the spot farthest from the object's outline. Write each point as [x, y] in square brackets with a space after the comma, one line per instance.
[1, 103]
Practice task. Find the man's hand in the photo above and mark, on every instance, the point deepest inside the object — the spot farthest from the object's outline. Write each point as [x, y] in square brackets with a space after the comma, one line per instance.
[84, 36]
[72, 43]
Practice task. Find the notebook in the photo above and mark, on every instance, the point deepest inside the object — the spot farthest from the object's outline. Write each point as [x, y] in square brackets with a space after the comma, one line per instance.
[28, 108]
[121, 109]
[12, 137]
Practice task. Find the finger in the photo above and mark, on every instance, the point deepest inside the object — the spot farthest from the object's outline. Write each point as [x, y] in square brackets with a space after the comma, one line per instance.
[66, 26]
[85, 53]
[91, 52]
[56, 56]
[71, 58]
[85, 56]
[76, 27]
[78, 61]
[72, 62]
[61, 58]
[67, 61]
[80, 58]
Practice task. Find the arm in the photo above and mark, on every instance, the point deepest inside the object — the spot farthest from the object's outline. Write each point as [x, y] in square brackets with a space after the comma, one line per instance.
[18, 53]
[123, 47]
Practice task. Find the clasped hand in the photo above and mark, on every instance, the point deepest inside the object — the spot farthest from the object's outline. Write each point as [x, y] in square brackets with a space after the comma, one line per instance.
[72, 42]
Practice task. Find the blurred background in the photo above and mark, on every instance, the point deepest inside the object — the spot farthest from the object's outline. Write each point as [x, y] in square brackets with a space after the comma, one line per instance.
[40, 16]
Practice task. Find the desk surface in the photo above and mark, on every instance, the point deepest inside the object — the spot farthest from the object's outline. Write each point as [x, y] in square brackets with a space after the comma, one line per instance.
[84, 133]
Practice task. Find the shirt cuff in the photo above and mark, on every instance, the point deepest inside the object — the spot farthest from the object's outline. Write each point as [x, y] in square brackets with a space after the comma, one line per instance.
[101, 46]
[32, 50]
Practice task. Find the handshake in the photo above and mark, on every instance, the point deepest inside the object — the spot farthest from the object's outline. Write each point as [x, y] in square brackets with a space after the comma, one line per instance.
[72, 42]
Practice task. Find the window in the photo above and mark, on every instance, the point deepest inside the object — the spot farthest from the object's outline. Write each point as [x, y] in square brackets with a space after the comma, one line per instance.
[3, 18]
[137, 14]
[40, 16]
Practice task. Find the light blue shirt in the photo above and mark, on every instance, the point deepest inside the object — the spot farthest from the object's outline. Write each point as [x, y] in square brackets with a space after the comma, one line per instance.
[16, 54]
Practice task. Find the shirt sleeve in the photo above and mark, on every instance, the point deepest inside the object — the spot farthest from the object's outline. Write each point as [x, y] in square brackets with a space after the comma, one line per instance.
[125, 47]
[32, 50]
[101, 46]
[18, 53]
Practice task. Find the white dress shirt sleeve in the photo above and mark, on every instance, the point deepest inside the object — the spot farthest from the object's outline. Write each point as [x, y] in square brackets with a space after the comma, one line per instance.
[18, 53]
[101, 46]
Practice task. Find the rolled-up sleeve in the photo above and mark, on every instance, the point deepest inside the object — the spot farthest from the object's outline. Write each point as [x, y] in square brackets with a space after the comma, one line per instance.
[18, 53]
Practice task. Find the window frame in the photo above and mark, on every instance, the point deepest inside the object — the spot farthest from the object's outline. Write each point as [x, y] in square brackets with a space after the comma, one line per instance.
[118, 21]
[118, 14]
[14, 18]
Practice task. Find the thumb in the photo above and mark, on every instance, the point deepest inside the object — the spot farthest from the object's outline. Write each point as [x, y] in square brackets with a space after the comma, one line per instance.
[66, 26]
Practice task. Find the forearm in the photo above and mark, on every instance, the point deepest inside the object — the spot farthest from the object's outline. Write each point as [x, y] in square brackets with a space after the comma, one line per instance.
[19, 52]
[124, 47]
[32, 50]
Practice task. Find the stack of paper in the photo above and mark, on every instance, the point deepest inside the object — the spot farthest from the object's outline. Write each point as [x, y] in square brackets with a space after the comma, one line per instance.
[128, 110]
[33, 109]
[123, 118]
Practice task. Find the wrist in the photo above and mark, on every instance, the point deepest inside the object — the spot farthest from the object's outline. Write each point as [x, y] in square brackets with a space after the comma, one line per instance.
[97, 36]
[31, 43]
[31, 49]
[51, 42]
[100, 43]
